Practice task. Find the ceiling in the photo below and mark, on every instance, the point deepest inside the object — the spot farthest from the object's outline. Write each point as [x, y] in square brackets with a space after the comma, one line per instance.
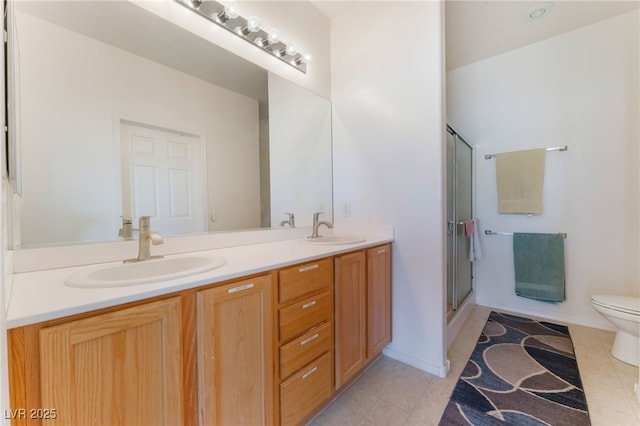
[479, 29]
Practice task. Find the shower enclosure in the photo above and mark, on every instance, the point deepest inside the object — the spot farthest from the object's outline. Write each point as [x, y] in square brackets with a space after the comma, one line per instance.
[459, 210]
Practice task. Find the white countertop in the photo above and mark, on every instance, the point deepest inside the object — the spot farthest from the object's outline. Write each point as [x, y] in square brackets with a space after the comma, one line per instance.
[42, 295]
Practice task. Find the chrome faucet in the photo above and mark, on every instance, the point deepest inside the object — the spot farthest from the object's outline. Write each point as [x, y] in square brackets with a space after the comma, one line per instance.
[291, 222]
[316, 225]
[146, 238]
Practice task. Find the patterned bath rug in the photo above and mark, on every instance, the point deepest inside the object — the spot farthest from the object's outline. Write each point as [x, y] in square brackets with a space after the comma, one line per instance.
[522, 372]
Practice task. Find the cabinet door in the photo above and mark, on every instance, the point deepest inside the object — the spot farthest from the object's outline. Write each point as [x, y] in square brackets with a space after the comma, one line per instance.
[378, 299]
[119, 368]
[350, 297]
[235, 353]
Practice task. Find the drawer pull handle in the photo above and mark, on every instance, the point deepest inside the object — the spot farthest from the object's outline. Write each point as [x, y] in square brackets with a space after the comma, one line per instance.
[308, 305]
[240, 288]
[381, 251]
[308, 268]
[310, 372]
[309, 339]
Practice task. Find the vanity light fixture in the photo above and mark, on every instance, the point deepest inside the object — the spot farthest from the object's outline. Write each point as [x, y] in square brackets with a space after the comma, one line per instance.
[290, 50]
[272, 39]
[230, 11]
[227, 15]
[304, 59]
[252, 26]
[274, 36]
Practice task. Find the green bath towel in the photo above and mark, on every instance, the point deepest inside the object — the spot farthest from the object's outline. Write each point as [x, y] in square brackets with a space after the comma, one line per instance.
[539, 266]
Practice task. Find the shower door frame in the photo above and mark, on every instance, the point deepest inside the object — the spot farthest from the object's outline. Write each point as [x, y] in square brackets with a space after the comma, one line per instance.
[454, 293]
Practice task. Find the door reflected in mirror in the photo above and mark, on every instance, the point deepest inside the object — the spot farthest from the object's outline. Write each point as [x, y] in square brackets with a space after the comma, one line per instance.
[163, 177]
[113, 121]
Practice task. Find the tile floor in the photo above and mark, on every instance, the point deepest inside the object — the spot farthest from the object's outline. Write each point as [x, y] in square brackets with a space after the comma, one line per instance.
[394, 394]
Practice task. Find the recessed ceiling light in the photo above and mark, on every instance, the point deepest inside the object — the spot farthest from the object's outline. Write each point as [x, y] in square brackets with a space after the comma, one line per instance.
[539, 11]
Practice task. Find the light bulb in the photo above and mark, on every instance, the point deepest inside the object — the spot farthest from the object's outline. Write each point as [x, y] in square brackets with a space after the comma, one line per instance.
[253, 24]
[291, 50]
[231, 10]
[306, 58]
[274, 36]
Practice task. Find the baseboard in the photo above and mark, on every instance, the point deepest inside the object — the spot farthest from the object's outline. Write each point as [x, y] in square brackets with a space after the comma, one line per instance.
[436, 370]
[454, 325]
[546, 317]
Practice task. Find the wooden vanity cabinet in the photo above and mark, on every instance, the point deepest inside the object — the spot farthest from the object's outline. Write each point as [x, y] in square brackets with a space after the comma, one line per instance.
[305, 339]
[363, 309]
[272, 348]
[114, 368]
[235, 353]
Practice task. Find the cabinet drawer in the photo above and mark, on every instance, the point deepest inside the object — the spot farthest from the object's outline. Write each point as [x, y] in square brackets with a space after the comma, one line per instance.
[304, 279]
[306, 391]
[294, 355]
[302, 316]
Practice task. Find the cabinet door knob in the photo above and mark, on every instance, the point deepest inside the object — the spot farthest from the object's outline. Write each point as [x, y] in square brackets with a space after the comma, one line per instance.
[309, 339]
[310, 372]
[308, 305]
[382, 251]
[240, 288]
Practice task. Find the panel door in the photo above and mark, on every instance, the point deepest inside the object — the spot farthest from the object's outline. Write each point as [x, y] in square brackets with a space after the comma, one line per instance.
[235, 353]
[163, 177]
[351, 325]
[378, 299]
[120, 368]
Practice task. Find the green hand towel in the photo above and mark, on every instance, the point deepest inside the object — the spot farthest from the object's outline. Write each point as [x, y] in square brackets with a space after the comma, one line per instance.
[539, 266]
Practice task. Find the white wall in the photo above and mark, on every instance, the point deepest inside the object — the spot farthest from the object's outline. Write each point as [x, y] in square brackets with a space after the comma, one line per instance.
[388, 136]
[75, 87]
[299, 152]
[579, 89]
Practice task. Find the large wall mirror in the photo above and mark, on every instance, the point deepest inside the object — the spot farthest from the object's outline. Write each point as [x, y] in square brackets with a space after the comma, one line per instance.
[118, 112]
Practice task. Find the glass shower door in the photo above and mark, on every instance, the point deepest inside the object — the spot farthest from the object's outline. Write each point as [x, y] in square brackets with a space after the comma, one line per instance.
[459, 210]
[463, 213]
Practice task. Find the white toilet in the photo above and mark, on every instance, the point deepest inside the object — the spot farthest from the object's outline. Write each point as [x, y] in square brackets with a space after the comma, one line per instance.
[624, 313]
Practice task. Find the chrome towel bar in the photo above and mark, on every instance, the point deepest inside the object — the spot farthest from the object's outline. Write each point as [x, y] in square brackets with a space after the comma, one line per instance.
[555, 148]
[490, 232]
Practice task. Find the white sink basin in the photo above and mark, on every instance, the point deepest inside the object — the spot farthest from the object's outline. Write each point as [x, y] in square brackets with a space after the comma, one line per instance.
[154, 270]
[335, 239]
